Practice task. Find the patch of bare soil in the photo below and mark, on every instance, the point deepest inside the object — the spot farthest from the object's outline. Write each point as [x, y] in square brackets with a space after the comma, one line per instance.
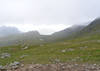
[59, 67]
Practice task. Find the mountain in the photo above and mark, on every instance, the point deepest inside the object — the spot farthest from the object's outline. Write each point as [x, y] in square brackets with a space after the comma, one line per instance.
[34, 38]
[92, 29]
[28, 38]
[80, 50]
[77, 31]
[66, 33]
[5, 31]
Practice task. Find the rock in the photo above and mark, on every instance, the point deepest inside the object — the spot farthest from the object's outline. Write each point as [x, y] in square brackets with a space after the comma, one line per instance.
[73, 60]
[78, 57]
[22, 65]
[83, 47]
[26, 47]
[31, 67]
[5, 55]
[98, 41]
[76, 64]
[86, 47]
[41, 45]
[70, 49]
[63, 51]
[94, 64]
[57, 60]
[41, 39]
[1, 67]
[14, 65]
[65, 43]
[23, 56]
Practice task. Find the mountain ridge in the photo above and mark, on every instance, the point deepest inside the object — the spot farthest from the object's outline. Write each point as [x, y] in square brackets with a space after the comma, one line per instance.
[6, 31]
[35, 38]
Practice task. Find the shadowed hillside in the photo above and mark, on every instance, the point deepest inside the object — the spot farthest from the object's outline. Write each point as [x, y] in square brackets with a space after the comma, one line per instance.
[5, 31]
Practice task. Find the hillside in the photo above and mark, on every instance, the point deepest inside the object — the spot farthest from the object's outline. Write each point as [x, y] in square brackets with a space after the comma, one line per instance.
[6, 31]
[29, 48]
[86, 48]
[92, 28]
[34, 38]
[29, 38]
[80, 50]
[66, 33]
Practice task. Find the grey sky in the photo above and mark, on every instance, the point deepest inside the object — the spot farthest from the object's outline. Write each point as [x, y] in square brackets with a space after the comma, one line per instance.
[47, 16]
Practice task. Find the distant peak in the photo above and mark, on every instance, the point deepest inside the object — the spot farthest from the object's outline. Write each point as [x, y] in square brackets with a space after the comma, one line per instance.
[33, 32]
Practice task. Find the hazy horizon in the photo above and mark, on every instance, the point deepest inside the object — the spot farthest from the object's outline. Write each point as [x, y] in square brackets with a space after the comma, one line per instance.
[47, 16]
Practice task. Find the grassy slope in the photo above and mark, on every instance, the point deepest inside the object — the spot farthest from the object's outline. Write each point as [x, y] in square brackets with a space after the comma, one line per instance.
[49, 52]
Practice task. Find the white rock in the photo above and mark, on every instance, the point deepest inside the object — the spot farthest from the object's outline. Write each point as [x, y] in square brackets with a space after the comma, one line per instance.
[15, 65]
[94, 64]
[63, 51]
[5, 55]
[26, 47]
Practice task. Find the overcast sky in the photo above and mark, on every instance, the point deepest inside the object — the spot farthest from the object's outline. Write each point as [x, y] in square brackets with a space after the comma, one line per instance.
[47, 16]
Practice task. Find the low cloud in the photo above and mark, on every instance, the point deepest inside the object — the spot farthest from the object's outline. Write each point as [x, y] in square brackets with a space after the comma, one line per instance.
[32, 14]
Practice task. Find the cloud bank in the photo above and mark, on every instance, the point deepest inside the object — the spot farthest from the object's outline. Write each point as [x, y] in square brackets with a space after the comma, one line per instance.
[47, 16]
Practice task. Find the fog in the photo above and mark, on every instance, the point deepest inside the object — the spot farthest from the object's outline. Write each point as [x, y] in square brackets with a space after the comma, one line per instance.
[47, 16]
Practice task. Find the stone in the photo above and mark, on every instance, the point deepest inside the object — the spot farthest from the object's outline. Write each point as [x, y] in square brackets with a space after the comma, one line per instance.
[5, 55]
[41, 45]
[22, 65]
[14, 65]
[23, 56]
[1, 67]
[70, 49]
[41, 39]
[26, 47]
[63, 51]
[83, 47]
[57, 61]
[94, 64]
[98, 41]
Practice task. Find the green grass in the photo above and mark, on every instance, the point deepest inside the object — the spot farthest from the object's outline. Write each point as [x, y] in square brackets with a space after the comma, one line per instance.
[49, 52]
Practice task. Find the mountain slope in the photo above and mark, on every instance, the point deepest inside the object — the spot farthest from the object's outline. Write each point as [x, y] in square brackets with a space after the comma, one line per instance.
[81, 50]
[29, 38]
[66, 33]
[85, 49]
[92, 28]
[5, 31]
[33, 37]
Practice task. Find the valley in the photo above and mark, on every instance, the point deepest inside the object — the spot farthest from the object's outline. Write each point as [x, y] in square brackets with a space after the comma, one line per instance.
[83, 47]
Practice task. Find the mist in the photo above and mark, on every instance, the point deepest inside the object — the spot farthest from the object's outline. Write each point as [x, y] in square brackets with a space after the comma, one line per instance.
[47, 16]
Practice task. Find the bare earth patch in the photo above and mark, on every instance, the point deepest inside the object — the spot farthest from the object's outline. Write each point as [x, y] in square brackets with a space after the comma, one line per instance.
[59, 67]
